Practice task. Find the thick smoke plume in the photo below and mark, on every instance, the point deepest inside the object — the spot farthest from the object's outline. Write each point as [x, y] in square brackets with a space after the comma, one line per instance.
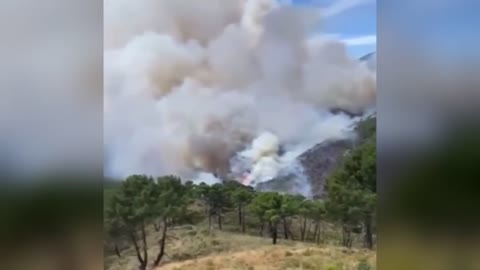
[222, 88]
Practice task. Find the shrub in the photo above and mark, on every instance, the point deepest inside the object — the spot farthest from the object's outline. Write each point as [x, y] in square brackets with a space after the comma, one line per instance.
[205, 232]
[210, 265]
[292, 262]
[331, 267]
[364, 265]
[338, 266]
[309, 266]
[307, 252]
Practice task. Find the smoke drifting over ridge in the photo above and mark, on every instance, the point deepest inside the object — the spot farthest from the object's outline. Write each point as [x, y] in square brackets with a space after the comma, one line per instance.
[197, 88]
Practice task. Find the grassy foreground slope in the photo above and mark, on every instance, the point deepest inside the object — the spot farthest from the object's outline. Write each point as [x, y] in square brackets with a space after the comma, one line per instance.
[280, 257]
[195, 247]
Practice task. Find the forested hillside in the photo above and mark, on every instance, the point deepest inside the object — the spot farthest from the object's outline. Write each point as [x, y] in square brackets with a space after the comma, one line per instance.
[154, 222]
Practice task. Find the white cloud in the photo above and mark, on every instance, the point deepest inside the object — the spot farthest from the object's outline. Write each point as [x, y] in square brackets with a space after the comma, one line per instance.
[341, 6]
[360, 41]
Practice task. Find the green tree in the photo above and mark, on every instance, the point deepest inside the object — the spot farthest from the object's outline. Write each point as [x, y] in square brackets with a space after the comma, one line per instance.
[290, 207]
[317, 214]
[219, 201]
[114, 234]
[170, 202]
[304, 210]
[141, 201]
[202, 192]
[241, 197]
[268, 206]
[258, 208]
[129, 211]
[367, 128]
[352, 192]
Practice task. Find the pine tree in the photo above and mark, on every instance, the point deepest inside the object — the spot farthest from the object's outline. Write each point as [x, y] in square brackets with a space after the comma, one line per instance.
[352, 192]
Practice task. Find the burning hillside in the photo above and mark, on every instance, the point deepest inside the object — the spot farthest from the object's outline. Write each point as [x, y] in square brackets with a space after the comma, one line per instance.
[223, 88]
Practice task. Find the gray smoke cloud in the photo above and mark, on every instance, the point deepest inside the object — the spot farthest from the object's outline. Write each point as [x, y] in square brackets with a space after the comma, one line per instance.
[201, 88]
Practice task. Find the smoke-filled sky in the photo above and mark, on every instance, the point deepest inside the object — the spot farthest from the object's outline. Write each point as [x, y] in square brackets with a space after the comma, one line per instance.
[200, 88]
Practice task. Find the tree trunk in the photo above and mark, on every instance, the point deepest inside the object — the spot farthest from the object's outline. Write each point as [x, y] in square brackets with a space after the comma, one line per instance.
[308, 231]
[117, 251]
[274, 234]
[162, 244]
[315, 232]
[285, 228]
[319, 236]
[346, 237]
[290, 233]
[207, 208]
[156, 226]
[240, 214]
[209, 219]
[145, 247]
[141, 260]
[243, 221]
[368, 233]
[261, 228]
[304, 228]
[219, 221]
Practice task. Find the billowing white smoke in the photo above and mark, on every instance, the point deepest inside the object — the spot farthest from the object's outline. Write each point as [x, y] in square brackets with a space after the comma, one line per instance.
[192, 85]
[261, 158]
[266, 159]
[207, 178]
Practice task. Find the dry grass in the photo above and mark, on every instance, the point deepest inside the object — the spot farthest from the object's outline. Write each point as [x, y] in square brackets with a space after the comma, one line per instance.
[198, 248]
[278, 257]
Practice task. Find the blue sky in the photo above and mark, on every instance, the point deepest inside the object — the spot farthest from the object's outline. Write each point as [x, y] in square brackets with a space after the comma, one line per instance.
[354, 21]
